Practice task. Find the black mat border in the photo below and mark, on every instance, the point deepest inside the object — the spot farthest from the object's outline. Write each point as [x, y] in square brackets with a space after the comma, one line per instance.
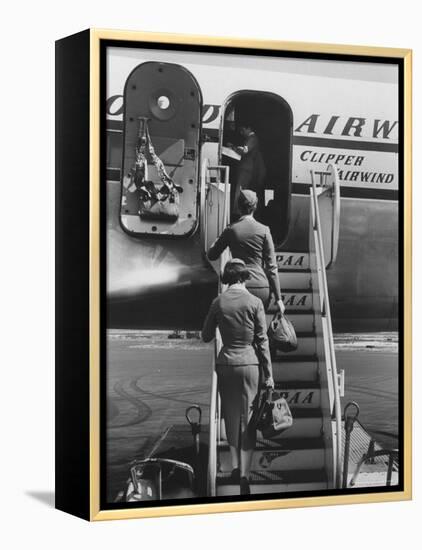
[106, 43]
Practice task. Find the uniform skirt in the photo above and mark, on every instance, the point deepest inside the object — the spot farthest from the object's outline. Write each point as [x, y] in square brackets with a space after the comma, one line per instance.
[238, 387]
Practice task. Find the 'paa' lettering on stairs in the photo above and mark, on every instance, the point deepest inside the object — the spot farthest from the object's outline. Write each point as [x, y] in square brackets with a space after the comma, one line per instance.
[299, 397]
[296, 300]
[290, 259]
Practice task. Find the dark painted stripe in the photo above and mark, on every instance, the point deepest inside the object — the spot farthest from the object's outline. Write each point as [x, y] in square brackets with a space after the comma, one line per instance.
[345, 144]
[353, 192]
[211, 135]
[113, 174]
[376, 194]
[115, 125]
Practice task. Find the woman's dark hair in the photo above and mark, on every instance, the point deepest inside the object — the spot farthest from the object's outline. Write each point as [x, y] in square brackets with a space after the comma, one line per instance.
[247, 202]
[247, 124]
[235, 271]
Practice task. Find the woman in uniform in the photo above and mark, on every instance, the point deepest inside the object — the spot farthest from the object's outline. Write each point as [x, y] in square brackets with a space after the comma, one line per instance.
[240, 317]
[251, 241]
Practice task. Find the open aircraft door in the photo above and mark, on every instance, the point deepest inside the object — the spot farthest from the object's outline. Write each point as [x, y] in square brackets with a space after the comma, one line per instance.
[326, 187]
[269, 164]
[161, 139]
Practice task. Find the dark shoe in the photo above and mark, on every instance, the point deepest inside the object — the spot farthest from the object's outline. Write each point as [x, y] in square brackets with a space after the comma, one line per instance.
[235, 476]
[244, 486]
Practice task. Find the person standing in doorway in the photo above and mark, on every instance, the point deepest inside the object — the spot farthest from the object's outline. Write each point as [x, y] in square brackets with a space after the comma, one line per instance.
[251, 171]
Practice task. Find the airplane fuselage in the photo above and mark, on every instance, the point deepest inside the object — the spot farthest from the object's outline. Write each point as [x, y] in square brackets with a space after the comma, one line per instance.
[349, 120]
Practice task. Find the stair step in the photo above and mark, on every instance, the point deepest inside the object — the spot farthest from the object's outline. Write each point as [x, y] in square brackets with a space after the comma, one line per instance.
[291, 371]
[302, 428]
[306, 346]
[296, 261]
[307, 423]
[281, 488]
[295, 301]
[281, 357]
[302, 322]
[262, 482]
[295, 279]
[281, 455]
[308, 413]
[288, 444]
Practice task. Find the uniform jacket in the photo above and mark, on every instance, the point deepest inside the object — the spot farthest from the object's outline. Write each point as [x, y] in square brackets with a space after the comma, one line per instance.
[251, 241]
[240, 318]
[250, 172]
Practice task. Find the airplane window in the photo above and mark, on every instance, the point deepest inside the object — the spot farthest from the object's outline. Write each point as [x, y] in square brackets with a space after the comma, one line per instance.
[163, 102]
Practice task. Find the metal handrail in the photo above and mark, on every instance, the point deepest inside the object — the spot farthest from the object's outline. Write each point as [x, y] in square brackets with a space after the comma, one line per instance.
[335, 197]
[336, 217]
[349, 421]
[212, 448]
[328, 335]
[203, 204]
[392, 455]
[214, 433]
[335, 226]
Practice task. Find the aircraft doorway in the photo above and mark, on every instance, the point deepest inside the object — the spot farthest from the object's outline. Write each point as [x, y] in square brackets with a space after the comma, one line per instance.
[270, 118]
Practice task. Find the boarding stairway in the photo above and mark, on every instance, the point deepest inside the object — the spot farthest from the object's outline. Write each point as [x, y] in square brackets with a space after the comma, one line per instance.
[307, 456]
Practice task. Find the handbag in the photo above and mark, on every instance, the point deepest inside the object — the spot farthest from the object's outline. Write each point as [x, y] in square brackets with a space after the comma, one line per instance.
[273, 415]
[281, 333]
